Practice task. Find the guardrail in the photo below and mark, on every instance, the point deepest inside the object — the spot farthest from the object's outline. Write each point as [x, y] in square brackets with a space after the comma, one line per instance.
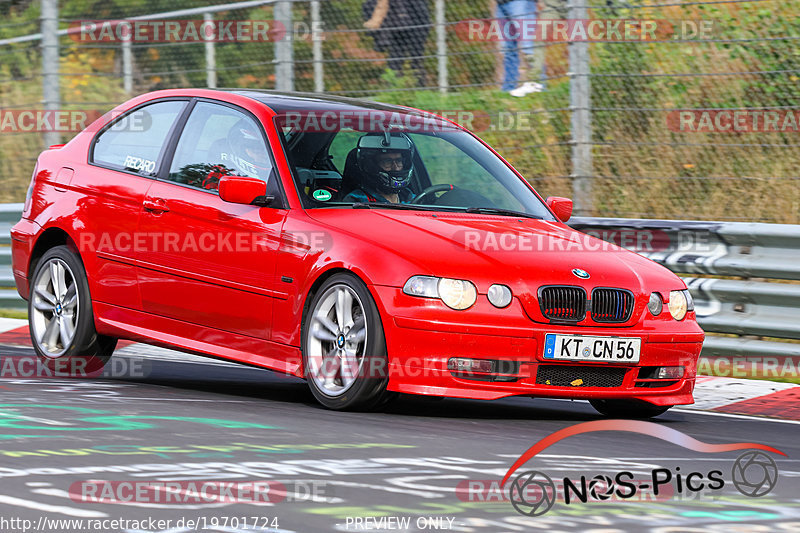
[762, 314]
[708, 254]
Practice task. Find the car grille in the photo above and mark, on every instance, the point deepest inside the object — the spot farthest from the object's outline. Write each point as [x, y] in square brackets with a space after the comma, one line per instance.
[563, 303]
[611, 305]
[589, 376]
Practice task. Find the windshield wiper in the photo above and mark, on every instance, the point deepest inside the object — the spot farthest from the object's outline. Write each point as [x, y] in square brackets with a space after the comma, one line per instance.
[497, 211]
[418, 207]
[408, 207]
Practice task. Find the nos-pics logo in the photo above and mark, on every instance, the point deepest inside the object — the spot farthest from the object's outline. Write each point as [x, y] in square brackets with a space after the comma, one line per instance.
[533, 493]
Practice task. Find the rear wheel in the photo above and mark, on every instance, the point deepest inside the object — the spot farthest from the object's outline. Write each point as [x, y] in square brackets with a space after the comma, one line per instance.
[344, 350]
[61, 319]
[628, 408]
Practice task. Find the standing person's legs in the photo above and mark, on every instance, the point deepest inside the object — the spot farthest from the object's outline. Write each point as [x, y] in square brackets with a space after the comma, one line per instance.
[510, 55]
[533, 51]
[395, 47]
[531, 48]
[414, 48]
[550, 9]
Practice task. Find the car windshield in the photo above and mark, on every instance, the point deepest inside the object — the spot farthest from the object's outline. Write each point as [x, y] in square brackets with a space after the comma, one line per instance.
[413, 162]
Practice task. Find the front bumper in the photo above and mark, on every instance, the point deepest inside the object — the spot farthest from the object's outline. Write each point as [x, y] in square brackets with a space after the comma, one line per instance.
[422, 335]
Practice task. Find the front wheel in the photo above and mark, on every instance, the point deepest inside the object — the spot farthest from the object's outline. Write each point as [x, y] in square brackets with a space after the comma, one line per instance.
[61, 319]
[344, 350]
[628, 408]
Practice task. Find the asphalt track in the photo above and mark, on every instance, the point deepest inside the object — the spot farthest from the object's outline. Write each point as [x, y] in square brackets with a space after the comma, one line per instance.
[180, 421]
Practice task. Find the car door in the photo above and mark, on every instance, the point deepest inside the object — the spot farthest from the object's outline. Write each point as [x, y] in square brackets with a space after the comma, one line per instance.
[210, 262]
[121, 167]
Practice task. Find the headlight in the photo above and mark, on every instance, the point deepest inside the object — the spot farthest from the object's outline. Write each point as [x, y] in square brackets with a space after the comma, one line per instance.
[655, 305]
[455, 293]
[689, 300]
[499, 296]
[678, 304]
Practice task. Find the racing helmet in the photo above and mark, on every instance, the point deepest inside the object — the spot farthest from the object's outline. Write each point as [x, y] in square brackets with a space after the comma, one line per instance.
[247, 149]
[374, 157]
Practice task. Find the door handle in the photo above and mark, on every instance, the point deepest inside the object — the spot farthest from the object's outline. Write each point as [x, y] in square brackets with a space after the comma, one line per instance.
[156, 206]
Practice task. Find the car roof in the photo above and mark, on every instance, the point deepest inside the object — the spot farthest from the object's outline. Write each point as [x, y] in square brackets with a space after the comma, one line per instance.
[282, 102]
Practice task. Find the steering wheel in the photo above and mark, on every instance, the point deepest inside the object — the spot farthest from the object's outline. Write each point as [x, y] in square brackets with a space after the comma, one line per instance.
[429, 191]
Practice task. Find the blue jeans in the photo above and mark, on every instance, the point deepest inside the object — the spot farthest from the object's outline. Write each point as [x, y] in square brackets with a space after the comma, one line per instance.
[516, 10]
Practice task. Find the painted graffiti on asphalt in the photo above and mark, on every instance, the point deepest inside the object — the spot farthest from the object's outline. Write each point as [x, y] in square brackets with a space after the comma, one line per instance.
[63, 418]
[198, 450]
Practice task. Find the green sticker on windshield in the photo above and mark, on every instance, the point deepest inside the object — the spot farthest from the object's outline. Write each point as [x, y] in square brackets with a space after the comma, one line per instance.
[322, 195]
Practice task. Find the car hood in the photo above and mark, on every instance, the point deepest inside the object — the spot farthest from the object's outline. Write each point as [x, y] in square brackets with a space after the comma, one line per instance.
[523, 253]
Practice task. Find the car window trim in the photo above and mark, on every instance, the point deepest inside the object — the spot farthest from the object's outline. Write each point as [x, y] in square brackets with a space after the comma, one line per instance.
[172, 146]
[161, 154]
[172, 142]
[289, 163]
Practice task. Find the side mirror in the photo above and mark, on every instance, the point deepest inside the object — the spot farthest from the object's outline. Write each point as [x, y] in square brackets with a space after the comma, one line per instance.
[562, 207]
[243, 190]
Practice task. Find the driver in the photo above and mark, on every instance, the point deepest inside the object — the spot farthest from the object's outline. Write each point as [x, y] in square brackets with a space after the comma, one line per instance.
[386, 164]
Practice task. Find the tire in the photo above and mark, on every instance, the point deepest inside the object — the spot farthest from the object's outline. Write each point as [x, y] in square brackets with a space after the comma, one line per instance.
[344, 348]
[628, 408]
[61, 320]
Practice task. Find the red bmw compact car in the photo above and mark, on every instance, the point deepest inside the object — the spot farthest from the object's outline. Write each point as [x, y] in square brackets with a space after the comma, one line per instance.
[369, 249]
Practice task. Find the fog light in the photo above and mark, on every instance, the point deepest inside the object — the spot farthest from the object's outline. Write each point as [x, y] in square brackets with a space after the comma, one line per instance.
[499, 296]
[461, 364]
[655, 305]
[669, 372]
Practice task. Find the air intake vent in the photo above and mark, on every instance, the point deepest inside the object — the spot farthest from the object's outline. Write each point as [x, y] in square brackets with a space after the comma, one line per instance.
[580, 376]
[611, 305]
[566, 304]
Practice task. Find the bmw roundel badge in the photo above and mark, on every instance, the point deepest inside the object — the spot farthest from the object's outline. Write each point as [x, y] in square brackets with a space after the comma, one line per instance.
[580, 273]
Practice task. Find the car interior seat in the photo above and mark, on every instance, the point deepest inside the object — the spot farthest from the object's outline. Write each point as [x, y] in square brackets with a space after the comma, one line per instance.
[352, 177]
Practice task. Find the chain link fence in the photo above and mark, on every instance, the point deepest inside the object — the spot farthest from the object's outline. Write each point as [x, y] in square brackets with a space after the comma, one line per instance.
[629, 127]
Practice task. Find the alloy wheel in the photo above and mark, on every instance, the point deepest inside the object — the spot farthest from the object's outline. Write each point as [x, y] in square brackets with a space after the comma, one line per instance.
[337, 340]
[56, 305]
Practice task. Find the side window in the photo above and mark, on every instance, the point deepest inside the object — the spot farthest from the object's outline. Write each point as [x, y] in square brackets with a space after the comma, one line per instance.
[219, 141]
[341, 145]
[135, 142]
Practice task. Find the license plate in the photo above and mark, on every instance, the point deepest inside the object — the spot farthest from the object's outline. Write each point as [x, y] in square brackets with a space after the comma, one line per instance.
[588, 348]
